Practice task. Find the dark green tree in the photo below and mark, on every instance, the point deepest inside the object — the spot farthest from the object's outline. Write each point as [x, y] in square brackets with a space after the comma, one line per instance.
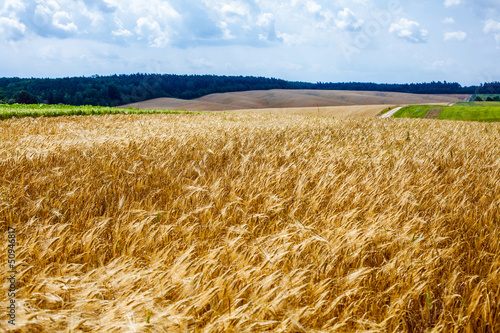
[24, 97]
[114, 92]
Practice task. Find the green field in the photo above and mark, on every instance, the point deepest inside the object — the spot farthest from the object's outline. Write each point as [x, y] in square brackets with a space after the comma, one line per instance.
[473, 111]
[44, 110]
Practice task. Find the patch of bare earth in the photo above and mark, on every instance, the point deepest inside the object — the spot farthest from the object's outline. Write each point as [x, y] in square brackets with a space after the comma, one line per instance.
[433, 114]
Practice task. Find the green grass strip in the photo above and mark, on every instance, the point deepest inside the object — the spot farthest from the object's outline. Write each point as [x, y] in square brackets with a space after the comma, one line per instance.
[43, 110]
[414, 111]
[473, 111]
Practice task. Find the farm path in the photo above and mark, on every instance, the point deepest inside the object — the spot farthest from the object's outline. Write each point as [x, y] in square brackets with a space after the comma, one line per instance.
[391, 113]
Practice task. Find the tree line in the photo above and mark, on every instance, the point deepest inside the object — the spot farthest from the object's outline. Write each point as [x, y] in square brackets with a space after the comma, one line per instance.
[124, 89]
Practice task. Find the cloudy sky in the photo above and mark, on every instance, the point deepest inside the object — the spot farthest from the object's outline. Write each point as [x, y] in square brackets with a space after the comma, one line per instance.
[306, 40]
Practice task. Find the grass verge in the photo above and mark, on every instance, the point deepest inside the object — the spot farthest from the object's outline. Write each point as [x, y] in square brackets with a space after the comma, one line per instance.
[473, 111]
[413, 111]
[43, 110]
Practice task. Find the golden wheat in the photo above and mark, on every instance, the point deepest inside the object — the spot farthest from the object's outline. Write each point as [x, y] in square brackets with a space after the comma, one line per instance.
[252, 223]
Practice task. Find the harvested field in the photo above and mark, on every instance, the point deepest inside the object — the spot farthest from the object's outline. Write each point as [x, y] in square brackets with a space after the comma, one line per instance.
[252, 223]
[335, 111]
[270, 99]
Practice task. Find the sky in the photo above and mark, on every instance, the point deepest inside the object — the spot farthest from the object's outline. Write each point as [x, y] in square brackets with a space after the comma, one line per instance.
[383, 41]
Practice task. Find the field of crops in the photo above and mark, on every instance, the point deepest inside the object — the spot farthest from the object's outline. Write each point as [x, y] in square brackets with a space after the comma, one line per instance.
[252, 223]
[485, 103]
[473, 111]
[44, 110]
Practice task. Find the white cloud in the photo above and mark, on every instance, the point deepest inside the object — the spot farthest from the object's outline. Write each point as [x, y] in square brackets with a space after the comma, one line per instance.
[265, 19]
[121, 31]
[233, 9]
[493, 27]
[63, 21]
[313, 7]
[266, 22]
[409, 30]
[156, 8]
[449, 20]
[148, 28]
[11, 26]
[49, 5]
[226, 32]
[449, 3]
[10, 6]
[95, 16]
[12, 29]
[347, 20]
[230, 11]
[455, 35]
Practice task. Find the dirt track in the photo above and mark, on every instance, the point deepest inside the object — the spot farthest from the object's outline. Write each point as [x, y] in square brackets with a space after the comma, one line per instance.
[391, 112]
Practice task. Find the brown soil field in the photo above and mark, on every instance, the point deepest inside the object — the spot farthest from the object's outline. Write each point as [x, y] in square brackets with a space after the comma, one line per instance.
[241, 222]
[266, 99]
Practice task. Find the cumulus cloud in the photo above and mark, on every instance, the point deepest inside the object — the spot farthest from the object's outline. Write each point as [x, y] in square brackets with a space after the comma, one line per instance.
[148, 28]
[63, 21]
[192, 23]
[49, 18]
[12, 29]
[455, 35]
[120, 31]
[230, 11]
[101, 5]
[313, 7]
[181, 23]
[493, 27]
[316, 16]
[409, 30]
[449, 20]
[347, 20]
[449, 3]
[10, 6]
[266, 22]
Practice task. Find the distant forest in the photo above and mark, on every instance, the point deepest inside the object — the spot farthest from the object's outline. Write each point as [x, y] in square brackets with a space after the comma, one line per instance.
[124, 89]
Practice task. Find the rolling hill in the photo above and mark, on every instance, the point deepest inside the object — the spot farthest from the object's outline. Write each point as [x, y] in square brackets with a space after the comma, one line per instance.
[271, 99]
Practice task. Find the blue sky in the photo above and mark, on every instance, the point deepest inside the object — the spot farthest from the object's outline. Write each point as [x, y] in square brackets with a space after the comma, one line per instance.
[305, 40]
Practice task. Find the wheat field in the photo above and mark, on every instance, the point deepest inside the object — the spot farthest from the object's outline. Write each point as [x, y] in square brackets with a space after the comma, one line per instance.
[251, 223]
[331, 111]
